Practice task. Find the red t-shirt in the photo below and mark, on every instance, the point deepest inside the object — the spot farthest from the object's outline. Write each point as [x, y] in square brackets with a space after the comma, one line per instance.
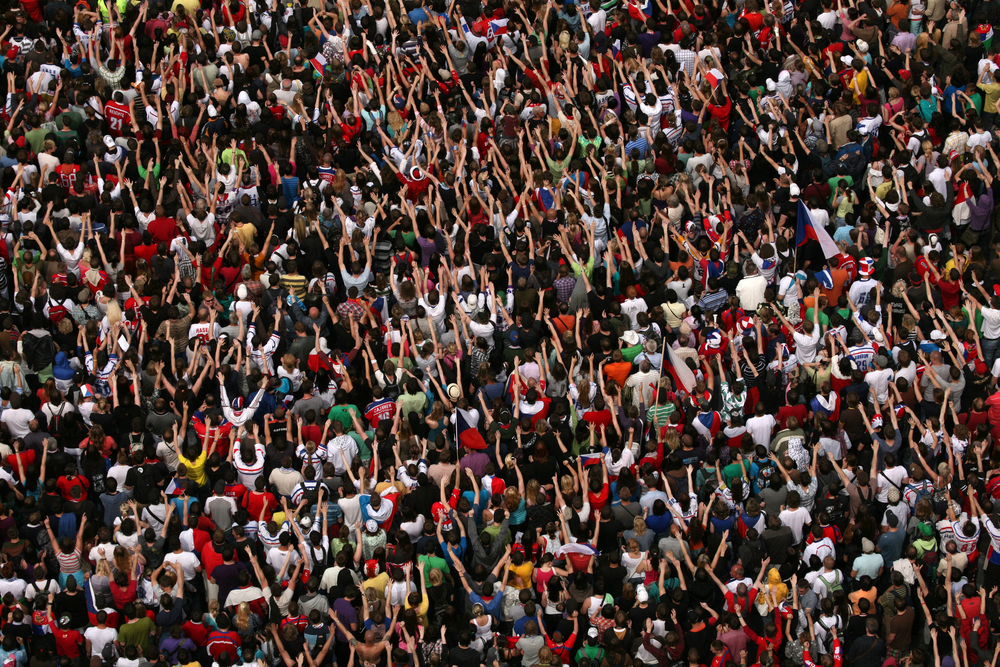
[721, 113]
[27, 458]
[68, 642]
[798, 411]
[950, 293]
[163, 229]
[145, 252]
[65, 485]
[121, 595]
[196, 632]
[255, 501]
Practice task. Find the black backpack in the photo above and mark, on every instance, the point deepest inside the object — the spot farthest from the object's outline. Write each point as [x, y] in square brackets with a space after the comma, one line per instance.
[146, 491]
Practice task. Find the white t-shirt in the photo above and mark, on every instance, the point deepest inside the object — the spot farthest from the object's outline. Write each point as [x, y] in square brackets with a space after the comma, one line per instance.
[760, 428]
[99, 638]
[806, 345]
[188, 562]
[17, 421]
[879, 383]
[795, 519]
[889, 478]
[991, 323]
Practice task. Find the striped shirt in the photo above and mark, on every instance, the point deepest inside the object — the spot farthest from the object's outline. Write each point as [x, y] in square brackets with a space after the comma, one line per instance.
[639, 143]
[713, 300]
[302, 488]
[954, 531]
[263, 356]
[69, 563]
[248, 471]
[296, 284]
[317, 458]
[102, 387]
[862, 355]
[266, 538]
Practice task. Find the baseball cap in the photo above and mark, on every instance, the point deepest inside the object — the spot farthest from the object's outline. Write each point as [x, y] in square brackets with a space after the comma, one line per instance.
[593, 631]
[641, 595]
[793, 190]
[109, 142]
[371, 525]
[867, 545]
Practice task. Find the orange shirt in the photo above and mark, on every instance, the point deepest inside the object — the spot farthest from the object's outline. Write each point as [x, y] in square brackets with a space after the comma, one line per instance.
[840, 277]
[564, 323]
[618, 372]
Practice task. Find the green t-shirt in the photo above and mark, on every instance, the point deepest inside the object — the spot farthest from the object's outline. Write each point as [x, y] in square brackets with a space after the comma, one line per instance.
[342, 414]
[433, 562]
[412, 403]
[823, 319]
[136, 634]
[630, 353]
[660, 414]
[731, 472]
[834, 182]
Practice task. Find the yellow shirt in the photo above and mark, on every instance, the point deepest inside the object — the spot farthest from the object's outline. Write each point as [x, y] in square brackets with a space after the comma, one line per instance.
[525, 570]
[862, 79]
[196, 468]
[421, 610]
[378, 583]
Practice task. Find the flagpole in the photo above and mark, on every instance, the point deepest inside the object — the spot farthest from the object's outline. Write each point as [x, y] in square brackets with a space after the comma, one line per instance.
[663, 360]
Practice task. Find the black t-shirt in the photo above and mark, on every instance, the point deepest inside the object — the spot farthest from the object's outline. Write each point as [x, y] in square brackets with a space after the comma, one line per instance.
[614, 579]
[464, 657]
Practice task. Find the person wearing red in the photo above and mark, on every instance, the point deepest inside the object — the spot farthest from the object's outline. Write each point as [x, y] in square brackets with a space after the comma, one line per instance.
[838, 653]
[260, 503]
[117, 114]
[771, 639]
[69, 642]
[162, 228]
[196, 630]
[223, 640]
[793, 409]
[123, 586]
[71, 480]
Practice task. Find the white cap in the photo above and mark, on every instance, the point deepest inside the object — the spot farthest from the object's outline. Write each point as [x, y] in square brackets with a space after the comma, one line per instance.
[109, 142]
[241, 292]
[212, 113]
[862, 46]
[847, 60]
[793, 190]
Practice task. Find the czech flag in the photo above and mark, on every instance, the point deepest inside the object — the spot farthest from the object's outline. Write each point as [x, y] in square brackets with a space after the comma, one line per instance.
[467, 431]
[679, 371]
[808, 229]
[319, 64]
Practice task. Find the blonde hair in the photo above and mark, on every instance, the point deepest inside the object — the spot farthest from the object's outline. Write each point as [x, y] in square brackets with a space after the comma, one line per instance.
[639, 526]
[114, 312]
[243, 617]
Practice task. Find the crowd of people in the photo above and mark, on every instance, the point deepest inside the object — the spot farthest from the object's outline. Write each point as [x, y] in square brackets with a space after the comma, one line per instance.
[617, 333]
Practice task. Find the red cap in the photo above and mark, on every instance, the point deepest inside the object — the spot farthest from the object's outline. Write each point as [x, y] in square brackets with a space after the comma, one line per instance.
[981, 367]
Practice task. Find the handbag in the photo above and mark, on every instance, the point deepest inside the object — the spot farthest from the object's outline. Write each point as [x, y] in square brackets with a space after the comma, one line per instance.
[969, 237]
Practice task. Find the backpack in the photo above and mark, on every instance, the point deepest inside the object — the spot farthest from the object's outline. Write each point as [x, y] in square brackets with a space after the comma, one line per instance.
[922, 491]
[55, 424]
[57, 312]
[828, 639]
[765, 470]
[146, 491]
[836, 585]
